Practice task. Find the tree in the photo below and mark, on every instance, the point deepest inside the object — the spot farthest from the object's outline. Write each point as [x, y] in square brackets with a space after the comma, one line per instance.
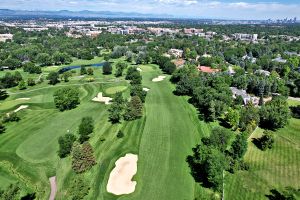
[53, 78]
[169, 67]
[30, 82]
[3, 94]
[31, 68]
[214, 167]
[66, 76]
[219, 138]
[66, 98]
[22, 85]
[275, 114]
[120, 66]
[90, 71]
[107, 68]
[83, 70]
[137, 90]
[116, 109]
[266, 141]
[232, 117]
[85, 129]
[134, 109]
[249, 118]
[79, 189]
[82, 157]
[44, 59]
[239, 146]
[65, 145]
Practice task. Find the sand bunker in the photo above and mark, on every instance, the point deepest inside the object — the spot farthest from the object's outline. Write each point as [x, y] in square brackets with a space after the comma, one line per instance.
[146, 89]
[120, 182]
[23, 99]
[139, 69]
[159, 78]
[20, 108]
[102, 99]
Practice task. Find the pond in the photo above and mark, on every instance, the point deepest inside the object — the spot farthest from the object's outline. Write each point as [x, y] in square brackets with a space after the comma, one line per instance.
[65, 69]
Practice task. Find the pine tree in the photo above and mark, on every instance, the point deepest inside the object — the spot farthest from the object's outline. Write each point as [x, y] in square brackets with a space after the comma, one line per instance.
[82, 157]
[134, 109]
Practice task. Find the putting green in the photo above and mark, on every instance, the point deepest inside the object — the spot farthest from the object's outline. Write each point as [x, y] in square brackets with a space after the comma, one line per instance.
[114, 90]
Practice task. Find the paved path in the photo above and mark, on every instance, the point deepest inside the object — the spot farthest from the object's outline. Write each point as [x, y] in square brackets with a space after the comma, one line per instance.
[53, 187]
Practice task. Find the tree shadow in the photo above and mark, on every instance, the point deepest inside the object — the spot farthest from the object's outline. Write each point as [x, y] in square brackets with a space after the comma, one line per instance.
[275, 195]
[29, 197]
[257, 143]
[197, 172]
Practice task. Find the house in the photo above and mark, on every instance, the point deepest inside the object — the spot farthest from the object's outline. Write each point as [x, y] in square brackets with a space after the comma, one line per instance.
[231, 71]
[4, 37]
[279, 60]
[176, 52]
[179, 63]
[263, 72]
[246, 97]
[206, 69]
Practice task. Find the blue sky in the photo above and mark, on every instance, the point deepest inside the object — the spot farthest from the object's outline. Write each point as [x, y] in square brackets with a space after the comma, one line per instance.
[229, 9]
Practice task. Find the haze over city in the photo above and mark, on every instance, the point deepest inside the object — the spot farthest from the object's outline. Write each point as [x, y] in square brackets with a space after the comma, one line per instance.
[217, 9]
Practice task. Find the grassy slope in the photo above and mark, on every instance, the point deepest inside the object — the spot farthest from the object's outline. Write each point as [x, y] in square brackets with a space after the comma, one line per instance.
[275, 168]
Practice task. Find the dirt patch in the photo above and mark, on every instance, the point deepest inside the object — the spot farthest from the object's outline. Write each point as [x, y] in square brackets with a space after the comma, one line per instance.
[159, 78]
[21, 108]
[53, 187]
[102, 99]
[120, 179]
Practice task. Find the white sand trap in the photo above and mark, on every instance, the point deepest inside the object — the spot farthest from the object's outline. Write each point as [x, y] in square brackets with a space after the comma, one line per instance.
[159, 78]
[119, 181]
[20, 108]
[139, 69]
[102, 99]
[23, 99]
[146, 89]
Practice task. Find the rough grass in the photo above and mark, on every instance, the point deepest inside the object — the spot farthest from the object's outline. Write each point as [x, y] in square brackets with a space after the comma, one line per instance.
[276, 168]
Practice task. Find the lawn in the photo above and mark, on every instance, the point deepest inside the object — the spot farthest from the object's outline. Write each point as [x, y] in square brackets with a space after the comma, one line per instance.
[276, 168]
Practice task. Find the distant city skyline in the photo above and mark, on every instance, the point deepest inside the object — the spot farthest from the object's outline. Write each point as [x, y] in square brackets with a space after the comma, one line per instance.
[218, 9]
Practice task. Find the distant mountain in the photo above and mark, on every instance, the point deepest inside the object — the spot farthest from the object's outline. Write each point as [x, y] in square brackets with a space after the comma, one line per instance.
[7, 13]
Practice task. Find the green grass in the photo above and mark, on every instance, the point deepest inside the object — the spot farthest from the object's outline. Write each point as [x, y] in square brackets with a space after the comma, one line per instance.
[162, 139]
[28, 149]
[276, 168]
[114, 90]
